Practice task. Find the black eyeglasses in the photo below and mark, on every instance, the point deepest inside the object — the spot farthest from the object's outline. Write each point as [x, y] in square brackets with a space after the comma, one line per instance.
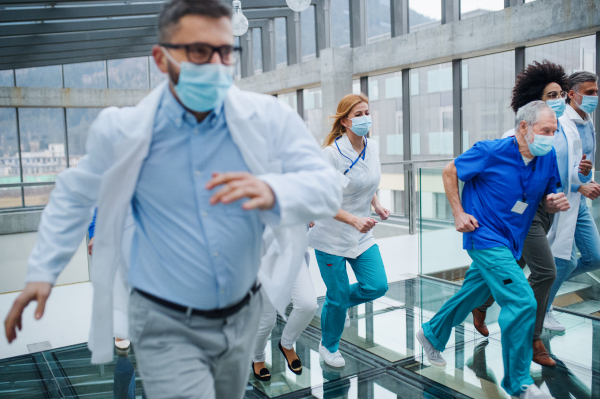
[202, 53]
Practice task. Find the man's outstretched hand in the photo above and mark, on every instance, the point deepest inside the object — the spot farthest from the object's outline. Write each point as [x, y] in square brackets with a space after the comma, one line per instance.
[33, 291]
[238, 185]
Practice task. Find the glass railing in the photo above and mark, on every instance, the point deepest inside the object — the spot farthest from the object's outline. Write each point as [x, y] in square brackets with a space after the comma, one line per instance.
[441, 253]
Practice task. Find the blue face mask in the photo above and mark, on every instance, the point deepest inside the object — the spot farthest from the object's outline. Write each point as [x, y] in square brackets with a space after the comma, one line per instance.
[541, 144]
[588, 103]
[361, 125]
[203, 87]
[558, 106]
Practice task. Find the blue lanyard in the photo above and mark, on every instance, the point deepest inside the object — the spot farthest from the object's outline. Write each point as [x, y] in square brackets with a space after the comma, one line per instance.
[362, 154]
[522, 171]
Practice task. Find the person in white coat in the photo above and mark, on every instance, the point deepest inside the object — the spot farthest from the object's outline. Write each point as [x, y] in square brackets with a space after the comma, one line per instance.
[220, 183]
[575, 229]
[347, 237]
[304, 302]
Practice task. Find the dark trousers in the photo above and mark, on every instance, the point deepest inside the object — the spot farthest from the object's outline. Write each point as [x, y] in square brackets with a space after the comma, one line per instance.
[538, 256]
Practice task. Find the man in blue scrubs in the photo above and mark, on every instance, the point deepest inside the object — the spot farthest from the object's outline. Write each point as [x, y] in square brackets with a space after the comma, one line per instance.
[505, 180]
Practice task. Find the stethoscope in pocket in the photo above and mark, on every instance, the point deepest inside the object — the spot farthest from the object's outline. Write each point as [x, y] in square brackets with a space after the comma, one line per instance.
[362, 154]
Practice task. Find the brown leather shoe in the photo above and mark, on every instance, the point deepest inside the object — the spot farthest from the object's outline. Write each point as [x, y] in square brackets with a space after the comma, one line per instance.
[540, 354]
[479, 322]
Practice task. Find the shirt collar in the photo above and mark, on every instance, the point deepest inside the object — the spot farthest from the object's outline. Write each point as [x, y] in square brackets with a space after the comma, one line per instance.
[179, 115]
[570, 111]
[345, 144]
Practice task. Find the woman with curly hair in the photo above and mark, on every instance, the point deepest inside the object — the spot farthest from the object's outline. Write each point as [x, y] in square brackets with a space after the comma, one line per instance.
[548, 82]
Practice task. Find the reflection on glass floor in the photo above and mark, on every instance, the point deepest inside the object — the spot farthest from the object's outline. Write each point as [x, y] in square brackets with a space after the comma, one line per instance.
[383, 359]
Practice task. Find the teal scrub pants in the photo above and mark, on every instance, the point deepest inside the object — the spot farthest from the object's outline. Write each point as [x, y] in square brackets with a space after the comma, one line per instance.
[372, 284]
[494, 271]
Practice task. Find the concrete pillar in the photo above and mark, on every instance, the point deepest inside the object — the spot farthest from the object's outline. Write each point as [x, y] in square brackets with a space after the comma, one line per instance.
[292, 32]
[512, 3]
[300, 102]
[399, 17]
[336, 81]
[457, 120]
[450, 11]
[247, 64]
[268, 45]
[519, 60]
[358, 23]
[323, 25]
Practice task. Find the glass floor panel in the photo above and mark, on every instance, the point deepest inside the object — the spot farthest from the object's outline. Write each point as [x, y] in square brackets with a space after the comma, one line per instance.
[383, 359]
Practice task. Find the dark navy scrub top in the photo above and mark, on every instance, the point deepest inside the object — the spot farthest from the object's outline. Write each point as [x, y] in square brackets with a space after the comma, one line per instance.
[496, 177]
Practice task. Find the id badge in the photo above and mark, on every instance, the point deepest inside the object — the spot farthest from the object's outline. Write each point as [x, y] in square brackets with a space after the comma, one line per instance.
[344, 180]
[520, 207]
[577, 145]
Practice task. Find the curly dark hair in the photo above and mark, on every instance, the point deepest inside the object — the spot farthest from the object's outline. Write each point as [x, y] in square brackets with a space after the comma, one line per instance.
[531, 82]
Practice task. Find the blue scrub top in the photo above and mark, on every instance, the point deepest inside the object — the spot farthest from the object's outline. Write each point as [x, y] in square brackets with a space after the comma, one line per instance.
[496, 177]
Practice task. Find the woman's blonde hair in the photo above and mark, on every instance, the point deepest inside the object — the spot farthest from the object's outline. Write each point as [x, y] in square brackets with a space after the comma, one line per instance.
[343, 110]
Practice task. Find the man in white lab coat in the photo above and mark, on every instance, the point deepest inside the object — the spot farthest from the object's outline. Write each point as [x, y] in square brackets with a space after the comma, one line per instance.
[204, 169]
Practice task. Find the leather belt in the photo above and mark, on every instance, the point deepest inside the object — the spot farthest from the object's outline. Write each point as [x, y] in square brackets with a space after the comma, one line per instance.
[209, 314]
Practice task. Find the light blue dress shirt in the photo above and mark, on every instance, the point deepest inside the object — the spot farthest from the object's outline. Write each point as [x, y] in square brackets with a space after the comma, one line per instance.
[185, 250]
[586, 134]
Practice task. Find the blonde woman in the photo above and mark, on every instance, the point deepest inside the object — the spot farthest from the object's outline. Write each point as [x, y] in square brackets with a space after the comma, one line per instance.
[347, 236]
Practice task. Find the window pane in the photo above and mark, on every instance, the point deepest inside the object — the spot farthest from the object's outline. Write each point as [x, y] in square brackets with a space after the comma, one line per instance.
[42, 143]
[128, 73]
[257, 50]
[379, 26]
[290, 99]
[47, 76]
[307, 28]
[340, 23]
[473, 8]
[9, 161]
[238, 65]
[487, 91]
[9, 150]
[385, 95]
[391, 191]
[10, 197]
[280, 43]
[574, 55]
[313, 113]
[7, 78]
[78, 125]
[37, 195]
[431, 112]
[424, 14]
[156, 76]
[87, 75]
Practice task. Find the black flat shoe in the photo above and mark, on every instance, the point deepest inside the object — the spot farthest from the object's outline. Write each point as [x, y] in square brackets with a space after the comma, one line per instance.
[296, 366]
[265, 374]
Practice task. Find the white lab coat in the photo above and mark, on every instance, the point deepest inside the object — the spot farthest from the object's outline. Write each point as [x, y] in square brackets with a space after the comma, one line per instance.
[360, 184]
[275, 144]
[562, 232]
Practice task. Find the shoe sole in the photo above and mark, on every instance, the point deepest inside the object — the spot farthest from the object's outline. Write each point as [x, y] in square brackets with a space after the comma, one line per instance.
[557, 329]
[434, 364]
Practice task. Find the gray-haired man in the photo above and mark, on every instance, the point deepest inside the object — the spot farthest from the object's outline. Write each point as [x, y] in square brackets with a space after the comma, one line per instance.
[575, 228]
[505, 180]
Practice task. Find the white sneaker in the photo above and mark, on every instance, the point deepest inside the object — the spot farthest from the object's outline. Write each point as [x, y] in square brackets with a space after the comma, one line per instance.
[347, 322]
[124, 344]
[533, 392]
[433, 355]
[334, 359]
[551, 323]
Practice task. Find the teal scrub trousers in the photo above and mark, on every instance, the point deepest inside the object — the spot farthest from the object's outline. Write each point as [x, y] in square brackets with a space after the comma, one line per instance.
[372, 284]
[494, 271]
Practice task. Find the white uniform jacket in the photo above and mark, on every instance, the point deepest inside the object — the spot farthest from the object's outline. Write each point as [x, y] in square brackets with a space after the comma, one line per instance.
[360, 184]
[562, 233]
[275, 144]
